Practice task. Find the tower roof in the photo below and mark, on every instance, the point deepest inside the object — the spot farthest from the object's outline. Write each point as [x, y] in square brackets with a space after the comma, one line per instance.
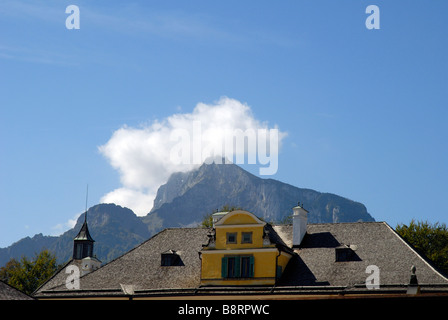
[84, 233]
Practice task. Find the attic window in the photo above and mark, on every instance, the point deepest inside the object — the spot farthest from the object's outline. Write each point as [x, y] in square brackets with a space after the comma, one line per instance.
[231, 237]
[170, 258]
[346, 253]
[246, 237]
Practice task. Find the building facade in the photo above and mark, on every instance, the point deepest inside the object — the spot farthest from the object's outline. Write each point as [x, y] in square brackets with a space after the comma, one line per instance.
[241, 252]
[243, 257]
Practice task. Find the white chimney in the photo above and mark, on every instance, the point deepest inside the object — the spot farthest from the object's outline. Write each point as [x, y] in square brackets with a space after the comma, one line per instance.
[299, 222]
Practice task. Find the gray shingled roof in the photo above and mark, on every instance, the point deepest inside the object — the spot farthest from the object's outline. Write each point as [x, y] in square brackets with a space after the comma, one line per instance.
[141, 267]
[374, 243]
[9, 293]
[312, 270]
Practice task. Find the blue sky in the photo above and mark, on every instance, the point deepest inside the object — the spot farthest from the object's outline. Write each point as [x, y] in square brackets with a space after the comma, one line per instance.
[364, 111]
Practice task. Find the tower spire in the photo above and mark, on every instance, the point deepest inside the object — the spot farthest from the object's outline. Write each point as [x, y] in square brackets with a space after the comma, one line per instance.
[87, 196]
[83, 242]
[83, 247]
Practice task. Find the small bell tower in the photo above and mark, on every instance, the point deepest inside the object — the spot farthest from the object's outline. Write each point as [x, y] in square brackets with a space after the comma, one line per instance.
[83, 247]
[83, 250]
[83, 242]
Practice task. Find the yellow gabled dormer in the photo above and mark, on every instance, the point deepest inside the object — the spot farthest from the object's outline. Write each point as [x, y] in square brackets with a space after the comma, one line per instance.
[239, 230]
[242, 251]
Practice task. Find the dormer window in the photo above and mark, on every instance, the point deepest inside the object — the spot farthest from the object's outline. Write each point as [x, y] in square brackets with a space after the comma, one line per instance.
[170, 258]
[346, 253]
[247, 249]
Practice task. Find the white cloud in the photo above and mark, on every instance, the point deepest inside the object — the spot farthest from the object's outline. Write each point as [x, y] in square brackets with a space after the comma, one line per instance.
[146, 156]
[135, 199]
[60, 228]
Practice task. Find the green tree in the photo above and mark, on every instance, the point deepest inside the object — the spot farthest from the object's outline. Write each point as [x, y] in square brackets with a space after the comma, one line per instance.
[10, 268]
[430, 240]
[207, 221]
[27, 275]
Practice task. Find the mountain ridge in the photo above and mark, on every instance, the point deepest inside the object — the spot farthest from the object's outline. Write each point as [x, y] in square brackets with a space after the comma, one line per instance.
[183, 201]
[214, 185]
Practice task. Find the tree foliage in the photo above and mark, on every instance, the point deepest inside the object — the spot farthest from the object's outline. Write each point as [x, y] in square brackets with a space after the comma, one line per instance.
[430, 240]
[27, 275]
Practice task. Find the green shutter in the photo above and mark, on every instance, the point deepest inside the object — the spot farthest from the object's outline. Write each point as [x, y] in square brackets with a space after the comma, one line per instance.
[237, 267]
[251, 267]
[279, 272]
[224, 267]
